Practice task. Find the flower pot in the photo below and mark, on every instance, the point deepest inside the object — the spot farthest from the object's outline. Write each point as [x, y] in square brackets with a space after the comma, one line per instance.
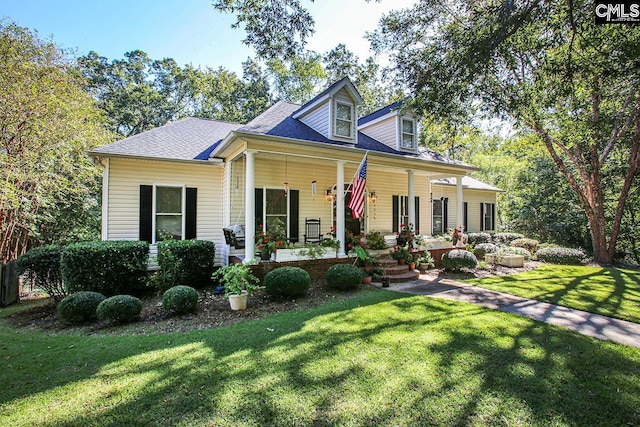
[238, 302]
[366, 280]
[402, 261]
[264, 256]
[412, 266]
[367, 267]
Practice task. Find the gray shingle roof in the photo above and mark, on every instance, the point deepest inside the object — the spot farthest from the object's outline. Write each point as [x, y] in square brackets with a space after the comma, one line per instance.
[277, 121]
[187, 139]
[467, 182]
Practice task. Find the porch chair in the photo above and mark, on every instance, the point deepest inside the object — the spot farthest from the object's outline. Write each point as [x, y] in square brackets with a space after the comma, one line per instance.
[312, 231]
[234, 236]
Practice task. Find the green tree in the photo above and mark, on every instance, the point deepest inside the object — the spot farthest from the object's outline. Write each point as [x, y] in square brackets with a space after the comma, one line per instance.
[297, 79]
[275, 28]
[546, 66]
[48, 121]
[136, 93]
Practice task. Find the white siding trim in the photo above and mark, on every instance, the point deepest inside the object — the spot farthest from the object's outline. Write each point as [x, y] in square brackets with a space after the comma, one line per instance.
[105, 201]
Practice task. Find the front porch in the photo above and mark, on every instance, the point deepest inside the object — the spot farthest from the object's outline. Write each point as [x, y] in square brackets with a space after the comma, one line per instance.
[269, 188]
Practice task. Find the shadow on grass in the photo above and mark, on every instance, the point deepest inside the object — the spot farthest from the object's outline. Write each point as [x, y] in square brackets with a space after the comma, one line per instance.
[379, 359]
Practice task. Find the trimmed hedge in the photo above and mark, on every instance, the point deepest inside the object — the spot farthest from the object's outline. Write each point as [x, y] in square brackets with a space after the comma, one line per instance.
[458, 259]
[506, 238]
[79, 307]
[180, 299]
[287, 282]
[109, 267]
[42, 266]
[477, 238]
[484, 248]
[560, 255]
[344, 277]
[119, 309]
[187, 262]
[513, 250]
[529, 244]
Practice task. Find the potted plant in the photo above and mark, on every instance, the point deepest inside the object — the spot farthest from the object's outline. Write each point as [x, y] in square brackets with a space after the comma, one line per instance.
[457, 235]
[268, 243]
[238, 283]
[405, 235]
[400, 254]
[367, 260]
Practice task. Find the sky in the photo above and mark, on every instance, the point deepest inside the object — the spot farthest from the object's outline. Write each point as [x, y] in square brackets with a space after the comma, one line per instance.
[189, 31]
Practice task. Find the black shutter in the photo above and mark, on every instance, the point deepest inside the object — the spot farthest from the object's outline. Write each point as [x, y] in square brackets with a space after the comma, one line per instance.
[417, 224]
[191, 214]
[465, 214]
[493, 217]
[396, 209]
[259, 209]
[294, 227]
[145, 225]
[481, 216]
[445, 214]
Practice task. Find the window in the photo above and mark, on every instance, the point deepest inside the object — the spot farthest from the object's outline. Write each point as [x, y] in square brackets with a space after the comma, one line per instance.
[169, 213]
[401, 212]
[487, 216]
[437, 218]
[276, 211]
[408, 134]
[344, 120]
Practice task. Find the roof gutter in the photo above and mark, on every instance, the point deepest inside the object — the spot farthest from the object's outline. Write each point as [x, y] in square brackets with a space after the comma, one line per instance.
[102, 155]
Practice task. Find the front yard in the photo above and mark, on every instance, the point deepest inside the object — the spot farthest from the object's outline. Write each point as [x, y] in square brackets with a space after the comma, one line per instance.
[377, 358]
[609, 291]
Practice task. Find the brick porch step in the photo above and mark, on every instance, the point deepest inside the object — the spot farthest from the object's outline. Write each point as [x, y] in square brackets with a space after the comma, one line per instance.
[407, 276]
[393, 270]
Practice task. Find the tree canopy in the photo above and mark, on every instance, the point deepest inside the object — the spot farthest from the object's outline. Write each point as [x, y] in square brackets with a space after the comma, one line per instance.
[547, 67]
[48, 185]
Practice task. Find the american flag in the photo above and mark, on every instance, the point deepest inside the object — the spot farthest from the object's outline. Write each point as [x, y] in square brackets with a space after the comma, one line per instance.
[356, 204]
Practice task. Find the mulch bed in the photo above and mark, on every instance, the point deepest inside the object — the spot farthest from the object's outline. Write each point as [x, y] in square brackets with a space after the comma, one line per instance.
[213, 310]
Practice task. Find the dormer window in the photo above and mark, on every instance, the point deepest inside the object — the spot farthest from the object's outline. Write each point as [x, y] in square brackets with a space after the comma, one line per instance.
[408, 134]
[344, 120]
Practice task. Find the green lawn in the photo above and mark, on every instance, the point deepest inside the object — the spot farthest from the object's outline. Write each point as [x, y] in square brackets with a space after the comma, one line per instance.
[380, 358]
[609, 291]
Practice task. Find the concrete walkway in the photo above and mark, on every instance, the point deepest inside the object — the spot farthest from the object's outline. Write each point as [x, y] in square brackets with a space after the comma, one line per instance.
[593, 325]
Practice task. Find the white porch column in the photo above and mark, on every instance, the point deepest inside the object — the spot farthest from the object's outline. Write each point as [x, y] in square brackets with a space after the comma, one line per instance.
[340, 207]
[460, 204]
[411, 202]
[249, 207]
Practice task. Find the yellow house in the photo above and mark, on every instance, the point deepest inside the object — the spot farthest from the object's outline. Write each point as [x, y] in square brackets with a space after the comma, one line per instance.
[289, 165]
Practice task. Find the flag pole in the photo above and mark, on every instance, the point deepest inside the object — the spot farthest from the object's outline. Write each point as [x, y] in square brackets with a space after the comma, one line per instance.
[357, 172]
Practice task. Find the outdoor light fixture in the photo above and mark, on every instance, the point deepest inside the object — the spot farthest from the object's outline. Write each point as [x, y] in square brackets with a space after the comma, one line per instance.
[327, 195]
[373, 196]
[286, 189]
[313, 187]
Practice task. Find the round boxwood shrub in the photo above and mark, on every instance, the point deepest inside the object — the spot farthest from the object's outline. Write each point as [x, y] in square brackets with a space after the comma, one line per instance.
[344, 277]
[477, 238]
[180, 299]
[481, 249]
[287, 282]
[512, 250]
[560, 255]
[119, 309]
[506, 238]
[458, 259]
[79, 307]
[529, 244]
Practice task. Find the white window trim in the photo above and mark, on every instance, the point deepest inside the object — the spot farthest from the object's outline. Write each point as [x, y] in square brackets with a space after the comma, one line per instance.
[183, 204]
[264, 209]
[488, 214]
[351, 136]
[401, 133]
